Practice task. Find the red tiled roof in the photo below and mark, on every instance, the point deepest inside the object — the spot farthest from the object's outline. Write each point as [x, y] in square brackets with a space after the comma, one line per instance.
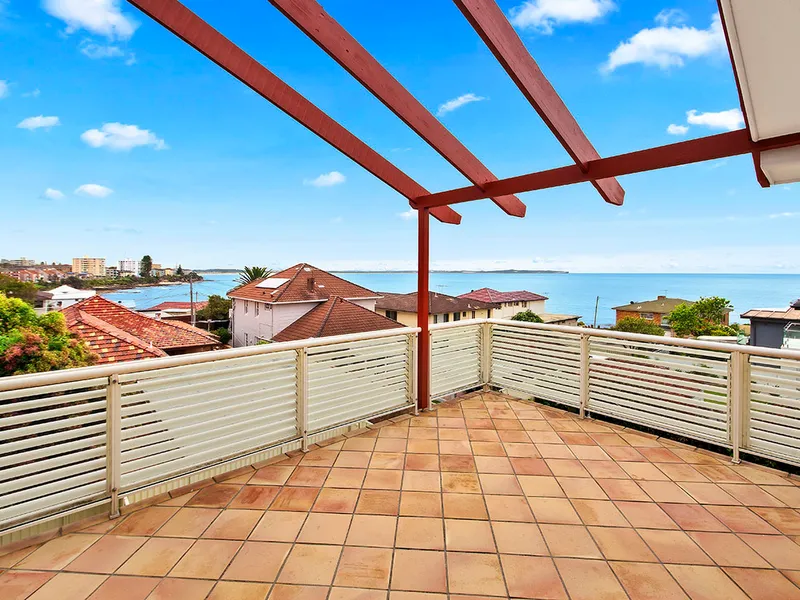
[109, 343]
[305, 283]
[438, 304]
[336, 316]
[163, 335]
[176, 305]
[490, 295]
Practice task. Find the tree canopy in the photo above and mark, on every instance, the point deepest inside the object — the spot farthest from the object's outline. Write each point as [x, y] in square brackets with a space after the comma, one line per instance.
[217, 309]
[249, 274]
[704, 317]
[15, 288]
[528, 316]
[638, 325]
[146, 266]
[31, 343]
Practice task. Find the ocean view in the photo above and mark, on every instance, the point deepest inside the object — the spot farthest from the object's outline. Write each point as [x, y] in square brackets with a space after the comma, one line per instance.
[569, 293]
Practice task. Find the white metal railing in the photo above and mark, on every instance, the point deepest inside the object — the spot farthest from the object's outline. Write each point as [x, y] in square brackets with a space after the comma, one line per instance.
[77, 438]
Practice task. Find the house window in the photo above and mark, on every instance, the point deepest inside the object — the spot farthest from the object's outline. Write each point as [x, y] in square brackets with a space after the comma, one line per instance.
[256, 304]
[647, 316]
[391, 314]
[456, 316]
[464, 314]
[246, 336]
[246, 306]
[473, 314]
[435, 319]
[524, 305]
[446, 317]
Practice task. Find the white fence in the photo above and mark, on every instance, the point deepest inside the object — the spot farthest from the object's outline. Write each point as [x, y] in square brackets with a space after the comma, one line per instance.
[82, 438]
[76, 439]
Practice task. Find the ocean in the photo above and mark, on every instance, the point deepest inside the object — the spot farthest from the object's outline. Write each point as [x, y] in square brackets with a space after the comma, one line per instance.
[568, 293]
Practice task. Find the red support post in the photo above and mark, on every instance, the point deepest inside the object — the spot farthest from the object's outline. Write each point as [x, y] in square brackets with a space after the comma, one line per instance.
[424, 345]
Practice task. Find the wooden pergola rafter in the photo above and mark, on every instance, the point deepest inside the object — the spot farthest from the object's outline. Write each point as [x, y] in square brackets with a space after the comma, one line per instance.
[499, 35]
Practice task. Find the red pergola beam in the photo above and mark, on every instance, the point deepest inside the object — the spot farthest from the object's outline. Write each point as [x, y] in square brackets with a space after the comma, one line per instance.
[329, 35]
[713, 147]
[200, 35]
[488, 20]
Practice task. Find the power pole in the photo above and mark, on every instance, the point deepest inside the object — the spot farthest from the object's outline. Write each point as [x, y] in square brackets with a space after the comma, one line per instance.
[596, 303]
[191, 298]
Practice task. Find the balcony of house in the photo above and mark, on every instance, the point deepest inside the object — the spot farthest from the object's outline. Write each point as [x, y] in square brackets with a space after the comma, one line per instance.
[560, 463]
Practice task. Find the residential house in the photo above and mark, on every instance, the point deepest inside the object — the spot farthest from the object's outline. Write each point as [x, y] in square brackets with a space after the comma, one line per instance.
[28, 275]
[116, 333]
[510, 303]
[775, 327]
[443, 308]
[335, 316]
[180, 311]
[96, 267]
[654, 310]
[62, 297]
[112, 272]
[263, 308]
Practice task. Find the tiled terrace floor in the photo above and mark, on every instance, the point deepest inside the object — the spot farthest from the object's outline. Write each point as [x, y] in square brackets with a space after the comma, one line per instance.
[486, 497]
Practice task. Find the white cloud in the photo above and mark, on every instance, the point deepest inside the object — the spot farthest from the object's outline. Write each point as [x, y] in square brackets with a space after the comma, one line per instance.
[116, 136]
[94, 190]
[39, 122]
[785, 215]
[5, 89]
[408, 215]
[544, 15]
[667, 46]
[671, 16]
[727, 119]
[456, 103]
[52, 194]
[326, 179]
[33, 94]
[100, 51]
[677, 129]
[101, 17]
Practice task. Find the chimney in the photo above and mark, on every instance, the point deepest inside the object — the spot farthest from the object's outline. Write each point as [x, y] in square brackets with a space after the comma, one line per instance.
[662, 297]
[310, 284]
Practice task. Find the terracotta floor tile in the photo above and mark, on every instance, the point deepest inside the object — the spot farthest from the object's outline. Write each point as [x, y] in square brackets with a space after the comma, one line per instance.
[619, 543]
[590, 454]
[780, 551]
[469, 536]
[751, 495]
[709, 493]
[420, 504]
[610, 439]
[464, 506]
[580, 487]
[257, 561]
[624, 453]
[570, 540]
[124, 588]
[145, 521]
[482, 435]
[422, 462]
[529, 466]
[359, 444]
[554, 451]
[520, 450]
[785, 520]
[419, 571]
[336, 500]
[325, 528]
[622, 489]
[189, 522]
[181, 589]
[428, 446]
[540, 485]
[720, 474]
[372, 530]
[338, 593]
[106, 554]
[378, 502]
[643, 471]
[387, 460]
[788, 494]
[353, 460]
[298, 592]
[364, 568]
[420, 533]
[453, 435]
[58, 552]
[565, 467]
[9, 559]
[647, 582]
[741, 519]
[178, 501]
[760, 475]
[214, 496]
[493, 464]
[500, 485]
[237, 590]
[422, 481]
[319, 458]
[345, 478]
[660, 455]
[310, 565]
[488, 448]
[681, 472]
[457, 463]
[589, 580]
[206, 559]
[508, 508]
[727, 550]
[764, 585]
[604, 469]
[308, 477]
[577, 438]
[391, 445]
[233, 524]
[693, 517]
[519, 538]
[295, 499]
[479, 574]
[278, 526]
[461, 483]
[705, 583]
[379, 479]
[666, 491]
[18, 585]
[156, 557]
[675, 547]
[75, 586]
[257, 497]
[599, 512]
[646, 514]
[554, 510]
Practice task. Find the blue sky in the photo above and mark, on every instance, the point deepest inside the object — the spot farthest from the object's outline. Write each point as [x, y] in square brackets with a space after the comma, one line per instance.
[119, 140]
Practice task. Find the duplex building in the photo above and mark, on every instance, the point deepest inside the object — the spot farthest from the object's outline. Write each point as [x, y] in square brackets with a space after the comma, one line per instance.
[442, 308]
[509, 303]
[62, 297]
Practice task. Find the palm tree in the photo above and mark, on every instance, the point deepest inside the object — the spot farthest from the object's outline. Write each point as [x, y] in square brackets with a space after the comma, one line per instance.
[250, 274]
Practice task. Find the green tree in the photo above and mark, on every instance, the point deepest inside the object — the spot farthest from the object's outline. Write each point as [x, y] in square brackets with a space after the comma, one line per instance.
[179, 270]
[223, 334]
[638, 325]
[31, 343]
[704, 317]
[528, 316]
[217, 309]
[249, 274]
[146, 266]
[15, 288]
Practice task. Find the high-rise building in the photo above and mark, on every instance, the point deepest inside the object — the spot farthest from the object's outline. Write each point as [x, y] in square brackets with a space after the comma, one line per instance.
[91, 266]
[130, 265]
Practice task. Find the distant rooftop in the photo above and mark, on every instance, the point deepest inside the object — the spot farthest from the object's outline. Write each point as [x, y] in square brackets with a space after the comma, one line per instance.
[438, 303]
[661, 305]
[489, 295]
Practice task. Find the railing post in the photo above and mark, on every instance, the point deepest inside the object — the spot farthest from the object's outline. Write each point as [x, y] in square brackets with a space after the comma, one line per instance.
[113, 448]
[739, 404]
[584, 375]
[302, 396]
[486, 355]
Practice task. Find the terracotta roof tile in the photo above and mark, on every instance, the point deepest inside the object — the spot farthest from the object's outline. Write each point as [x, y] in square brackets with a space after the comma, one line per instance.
[438, 304]
[490, 295]
[173, 305]
[336, 316]
[305, 283]
[109, 343]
